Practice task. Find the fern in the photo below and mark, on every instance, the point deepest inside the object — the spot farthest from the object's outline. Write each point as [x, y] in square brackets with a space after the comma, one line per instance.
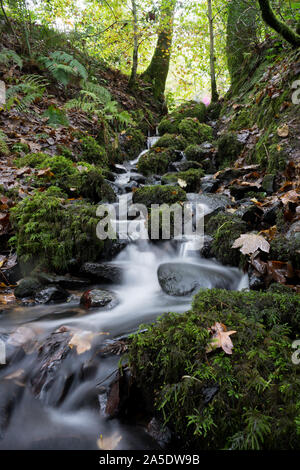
[95, 99]
[23, 94]
[63, 66]
[8, 55]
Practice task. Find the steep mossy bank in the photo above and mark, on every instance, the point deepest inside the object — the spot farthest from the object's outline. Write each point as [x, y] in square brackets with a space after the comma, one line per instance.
[248, 400]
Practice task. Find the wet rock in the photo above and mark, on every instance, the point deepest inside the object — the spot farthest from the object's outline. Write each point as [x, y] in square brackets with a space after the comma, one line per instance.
[239, 191]
[51, 294]
[120, 169]
[205, 250]
[27, 287]
[256, 282]
[98, 298]
[250, 213]
[10, 270]
[130, 186]
[270, 213]
[104, 272]
[294, 232]
[138, 178]
[181, 279]
[209, 184]
[229, 174]
[66, 282]
[159, 432]
[212, 203]
[184, 165]
[268, 183]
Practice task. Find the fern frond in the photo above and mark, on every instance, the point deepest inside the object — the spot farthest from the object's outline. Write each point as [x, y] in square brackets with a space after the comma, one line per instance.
[8, 55]
[63, 66]
[26, 92]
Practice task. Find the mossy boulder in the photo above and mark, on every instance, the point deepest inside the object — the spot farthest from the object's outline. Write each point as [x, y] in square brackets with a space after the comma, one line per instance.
[229, 148]
[156, 161]
[50, 230]
[198, 153]
[177, 142]
[194, 131]
[248, 400]
[92, 152]
[90, 183]
[286, 250]
[225, 229]
[191, 109]
[132, 142]
[191, 177]
[158, 194]
[243, 120]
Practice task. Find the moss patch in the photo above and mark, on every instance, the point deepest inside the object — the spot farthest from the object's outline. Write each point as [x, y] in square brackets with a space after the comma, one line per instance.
[229, 148]
[176, 142]
[191, 109]
[156, 161]
[158, 195]
[248, 400]
[192, 178]
[194, 131]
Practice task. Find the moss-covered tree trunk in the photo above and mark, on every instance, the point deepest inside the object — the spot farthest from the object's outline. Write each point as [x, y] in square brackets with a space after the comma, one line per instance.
[135, 45]
[158, 69]
[279, 26]
[241, 33]
[213, 81]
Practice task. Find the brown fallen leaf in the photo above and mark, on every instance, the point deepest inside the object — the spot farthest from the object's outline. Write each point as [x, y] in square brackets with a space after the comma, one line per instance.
[283, 131]
[290, 196]
[250, 242]
[220, 338]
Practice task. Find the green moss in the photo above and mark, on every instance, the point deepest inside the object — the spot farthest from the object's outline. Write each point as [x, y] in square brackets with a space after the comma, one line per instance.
[50, 231]
[65, 151]
[20, 148]
[133, 141]
[197, 153]
[194, 131]
[158, 195]
[241, 121]
[229, 148]
[90, 183]
[177, 142]
[192, 109]
[92, 152]
[192, 178]
[247, 400]
[156, 161]
[225, 229]
[285, 250]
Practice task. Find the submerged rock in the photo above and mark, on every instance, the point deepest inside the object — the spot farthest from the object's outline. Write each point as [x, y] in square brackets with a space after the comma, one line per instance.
[51, 294]
[180, 279]
[99, 298]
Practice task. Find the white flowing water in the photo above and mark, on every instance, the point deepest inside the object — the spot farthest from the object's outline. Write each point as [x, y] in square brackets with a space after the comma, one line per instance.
[67, 416]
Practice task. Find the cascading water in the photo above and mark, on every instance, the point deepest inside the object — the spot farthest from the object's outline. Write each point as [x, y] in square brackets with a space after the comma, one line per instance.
[59, 405]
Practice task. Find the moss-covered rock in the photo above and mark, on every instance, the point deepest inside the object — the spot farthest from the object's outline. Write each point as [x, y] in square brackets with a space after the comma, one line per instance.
[225, 229]
[92, 152]
[198, 153]
[158, 195]
[285, 250]
[89, 182]
[191, 177]
[156, 161]
[192, 109]
[194, 131]
[241, 121]
[229, 148]
[50, 231]
[247, 400]
[176, 142]
[132, 142]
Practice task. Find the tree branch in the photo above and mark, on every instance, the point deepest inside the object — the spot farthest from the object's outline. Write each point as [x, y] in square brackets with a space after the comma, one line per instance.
[280, 27]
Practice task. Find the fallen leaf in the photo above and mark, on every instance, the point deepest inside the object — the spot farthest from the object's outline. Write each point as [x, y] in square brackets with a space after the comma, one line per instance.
[82, 341]
[182, 183]
[220, 338]
[283, 131]
[290, 196]
[109, 443]
[250, 242]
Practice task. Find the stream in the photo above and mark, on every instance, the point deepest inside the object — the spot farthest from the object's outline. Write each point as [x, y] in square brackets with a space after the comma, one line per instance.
[53, 398]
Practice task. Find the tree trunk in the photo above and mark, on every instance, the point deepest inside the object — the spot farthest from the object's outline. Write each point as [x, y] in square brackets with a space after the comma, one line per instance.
[279, 26]
[135, 46]
[158, 70]
[214, 92]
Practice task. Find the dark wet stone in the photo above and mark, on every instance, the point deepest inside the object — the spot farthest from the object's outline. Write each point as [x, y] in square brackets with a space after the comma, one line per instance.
[250, 213]
[205, 250]
[27, 287]
[104, 272]
[181, 279]
[271, 212]
[184, 165]
[268, 183]
[238, 191]
[51, 294]
[256, 282]
[66, 282]
[209, 184]
[98, 298]
[159, 432]
[10, 271]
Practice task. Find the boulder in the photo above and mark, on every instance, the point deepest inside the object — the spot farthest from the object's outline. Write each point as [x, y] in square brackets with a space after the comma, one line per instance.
[98, 298]
[104, 272]
[27, 287]
[51, 294]
[181, 279]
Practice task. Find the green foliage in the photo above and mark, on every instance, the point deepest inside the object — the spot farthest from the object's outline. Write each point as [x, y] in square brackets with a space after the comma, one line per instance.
[158, 195]
[20, 148]
[133, 141]
[25, 92]
[191, 109]
[196, 153]
[50, 232]
[92, 152]
[248, 400]
[229, 148]
[63, 67]
[90, 183]
[4, 150]
[225, 228]
[56, 117]
[285, 250]
[8, 55]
